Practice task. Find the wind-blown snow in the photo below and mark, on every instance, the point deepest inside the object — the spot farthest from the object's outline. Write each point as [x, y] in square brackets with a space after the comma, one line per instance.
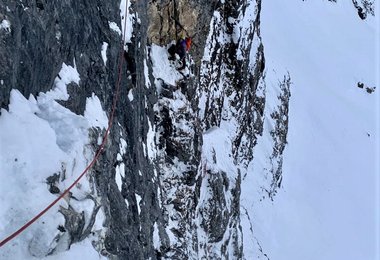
[327, 208]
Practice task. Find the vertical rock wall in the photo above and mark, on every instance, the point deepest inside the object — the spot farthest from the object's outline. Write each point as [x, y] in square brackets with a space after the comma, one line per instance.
[179, 195]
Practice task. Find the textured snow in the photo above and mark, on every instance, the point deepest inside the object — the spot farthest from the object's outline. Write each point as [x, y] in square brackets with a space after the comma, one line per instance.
[328, 206]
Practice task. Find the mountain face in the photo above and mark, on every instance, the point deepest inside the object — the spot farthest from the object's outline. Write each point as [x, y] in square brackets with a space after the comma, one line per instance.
[168, 182]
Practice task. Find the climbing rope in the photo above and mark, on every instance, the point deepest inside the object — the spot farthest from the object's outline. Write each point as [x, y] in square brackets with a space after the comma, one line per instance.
[100, 149]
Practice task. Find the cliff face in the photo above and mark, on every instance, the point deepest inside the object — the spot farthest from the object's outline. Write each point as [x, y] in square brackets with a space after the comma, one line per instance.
[169, 180]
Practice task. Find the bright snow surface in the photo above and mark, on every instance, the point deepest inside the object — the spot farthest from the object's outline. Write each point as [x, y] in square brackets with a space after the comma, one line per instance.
[328, 205]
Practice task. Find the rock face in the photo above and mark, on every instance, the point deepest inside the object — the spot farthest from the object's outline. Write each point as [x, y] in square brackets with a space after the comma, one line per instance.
[180, 194]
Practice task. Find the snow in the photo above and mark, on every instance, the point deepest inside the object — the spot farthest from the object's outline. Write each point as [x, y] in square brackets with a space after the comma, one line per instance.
[138, 200]
[130, 95]
[124, 12]
[151, 145]
[6, 25]
[123, 146]
[156, 237]
[94, 112]
[162, 69]
[104, 52]
[146, 74]
[38, 138]
[216, 151]
[328, 206]
[113, 26]
[78, 251]
[119, 175]
[67, 75]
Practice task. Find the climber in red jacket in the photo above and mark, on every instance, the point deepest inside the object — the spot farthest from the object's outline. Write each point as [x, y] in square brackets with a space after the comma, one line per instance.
[180, 48]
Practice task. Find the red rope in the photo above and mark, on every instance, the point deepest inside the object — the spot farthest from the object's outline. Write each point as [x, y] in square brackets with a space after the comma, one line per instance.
[101, 147]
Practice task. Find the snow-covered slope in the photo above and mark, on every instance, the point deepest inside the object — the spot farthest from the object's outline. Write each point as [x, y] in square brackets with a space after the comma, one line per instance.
[328, 205]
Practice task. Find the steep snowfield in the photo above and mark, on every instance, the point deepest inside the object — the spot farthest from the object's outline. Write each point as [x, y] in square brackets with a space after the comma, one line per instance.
[328, 205]
[39, 138]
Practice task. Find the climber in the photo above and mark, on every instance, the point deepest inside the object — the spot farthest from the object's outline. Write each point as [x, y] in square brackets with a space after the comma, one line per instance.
[180, 48]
